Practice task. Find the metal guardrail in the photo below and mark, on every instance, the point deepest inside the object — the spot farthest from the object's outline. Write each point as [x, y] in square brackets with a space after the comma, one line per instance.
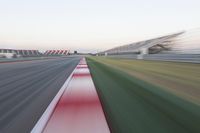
[192, 58]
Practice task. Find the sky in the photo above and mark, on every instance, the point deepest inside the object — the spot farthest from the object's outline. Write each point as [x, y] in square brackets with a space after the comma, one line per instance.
[91, 25]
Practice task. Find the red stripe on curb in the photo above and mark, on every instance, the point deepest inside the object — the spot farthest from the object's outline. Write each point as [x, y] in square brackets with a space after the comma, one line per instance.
[79, 110]
[82, 66]
[81, 75]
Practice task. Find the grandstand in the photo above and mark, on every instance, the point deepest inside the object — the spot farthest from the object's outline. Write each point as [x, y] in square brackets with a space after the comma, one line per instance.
[186, 42]
[182, 46]
[13, 53]
[151, 46]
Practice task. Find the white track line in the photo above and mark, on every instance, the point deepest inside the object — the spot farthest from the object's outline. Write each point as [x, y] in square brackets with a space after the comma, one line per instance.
[40, 125]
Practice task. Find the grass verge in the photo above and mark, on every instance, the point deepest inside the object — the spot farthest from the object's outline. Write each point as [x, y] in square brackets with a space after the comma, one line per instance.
[181, 79]
[132, 105]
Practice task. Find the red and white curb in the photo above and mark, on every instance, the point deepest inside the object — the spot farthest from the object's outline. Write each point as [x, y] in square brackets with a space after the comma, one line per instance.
[40, 125]
[78, 110]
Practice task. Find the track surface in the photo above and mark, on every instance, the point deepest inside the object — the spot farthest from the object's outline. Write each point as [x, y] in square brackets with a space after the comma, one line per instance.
[27, 88]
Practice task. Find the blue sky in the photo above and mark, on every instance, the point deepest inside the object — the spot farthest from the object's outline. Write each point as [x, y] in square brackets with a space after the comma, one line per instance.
[91, 25]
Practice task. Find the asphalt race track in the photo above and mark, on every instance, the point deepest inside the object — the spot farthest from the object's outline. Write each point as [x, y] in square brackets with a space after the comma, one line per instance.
[27, 88]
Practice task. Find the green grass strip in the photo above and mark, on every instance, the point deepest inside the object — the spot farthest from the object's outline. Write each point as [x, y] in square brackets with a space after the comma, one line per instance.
[135, 106]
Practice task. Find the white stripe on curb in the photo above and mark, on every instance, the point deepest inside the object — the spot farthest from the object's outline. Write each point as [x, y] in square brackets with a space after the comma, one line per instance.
[40, 125]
